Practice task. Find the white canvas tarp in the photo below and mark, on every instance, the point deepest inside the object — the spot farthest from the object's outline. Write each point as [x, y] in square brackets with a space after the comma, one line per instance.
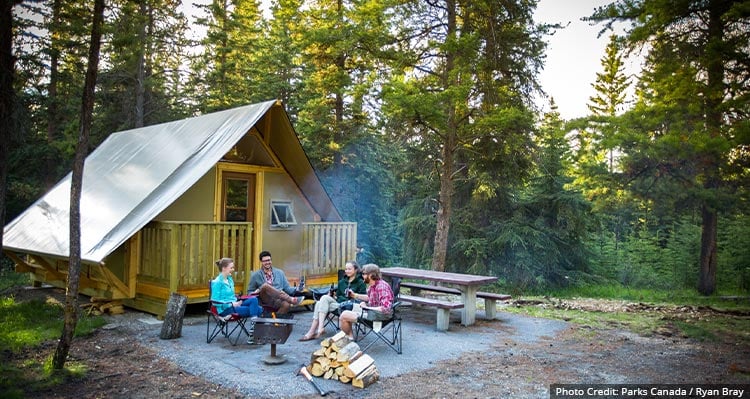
[128, 180]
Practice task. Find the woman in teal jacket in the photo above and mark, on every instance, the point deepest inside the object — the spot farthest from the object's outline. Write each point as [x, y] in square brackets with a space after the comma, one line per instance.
[223, 296]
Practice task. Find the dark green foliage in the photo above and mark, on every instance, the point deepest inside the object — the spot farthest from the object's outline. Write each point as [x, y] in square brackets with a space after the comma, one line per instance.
[377, 94]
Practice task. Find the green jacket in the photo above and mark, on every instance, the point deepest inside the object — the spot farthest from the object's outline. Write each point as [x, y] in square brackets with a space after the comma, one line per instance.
[358, 286]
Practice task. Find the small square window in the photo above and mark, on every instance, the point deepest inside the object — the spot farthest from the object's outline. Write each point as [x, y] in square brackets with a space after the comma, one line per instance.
[282, 214]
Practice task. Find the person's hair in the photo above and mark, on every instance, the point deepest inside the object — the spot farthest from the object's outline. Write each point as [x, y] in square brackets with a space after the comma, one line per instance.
[373, 270]
[353, 263]
[263, 254]
[223, 262]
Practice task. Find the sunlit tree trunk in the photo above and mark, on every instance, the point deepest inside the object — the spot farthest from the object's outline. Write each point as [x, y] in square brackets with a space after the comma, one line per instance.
[74, 269]
[445, 203]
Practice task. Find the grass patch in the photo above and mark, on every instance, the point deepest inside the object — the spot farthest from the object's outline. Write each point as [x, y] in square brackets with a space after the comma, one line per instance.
[670, 314]
[9, 278]
[723, 300]
[643, 324]
[24, 328]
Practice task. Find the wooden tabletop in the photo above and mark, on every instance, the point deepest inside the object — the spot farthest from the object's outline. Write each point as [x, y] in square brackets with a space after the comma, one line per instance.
[432, 275]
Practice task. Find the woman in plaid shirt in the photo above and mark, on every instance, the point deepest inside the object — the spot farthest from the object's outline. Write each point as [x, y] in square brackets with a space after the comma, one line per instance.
[379, 297]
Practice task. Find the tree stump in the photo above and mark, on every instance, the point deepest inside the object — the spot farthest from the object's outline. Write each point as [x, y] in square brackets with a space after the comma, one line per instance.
[172, 327]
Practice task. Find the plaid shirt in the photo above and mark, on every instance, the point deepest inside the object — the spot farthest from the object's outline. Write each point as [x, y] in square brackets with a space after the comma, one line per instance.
[380, 294]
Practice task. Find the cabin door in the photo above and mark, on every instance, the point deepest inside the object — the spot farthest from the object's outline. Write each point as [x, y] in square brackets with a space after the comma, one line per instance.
[238, 197]
[238, 205]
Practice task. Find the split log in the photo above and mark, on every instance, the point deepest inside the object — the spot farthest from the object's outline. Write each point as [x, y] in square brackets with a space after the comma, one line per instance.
[368, 377]
[346, 353]
[316, 369]
[172, 326]
[339, 341]
[358, 366]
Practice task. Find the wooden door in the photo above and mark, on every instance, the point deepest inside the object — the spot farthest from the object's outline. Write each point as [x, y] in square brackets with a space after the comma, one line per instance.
[238, 197]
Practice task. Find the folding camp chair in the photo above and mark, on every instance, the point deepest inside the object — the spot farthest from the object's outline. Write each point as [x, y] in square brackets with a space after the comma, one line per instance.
[332, 318]
[226, 326]
[385, 327]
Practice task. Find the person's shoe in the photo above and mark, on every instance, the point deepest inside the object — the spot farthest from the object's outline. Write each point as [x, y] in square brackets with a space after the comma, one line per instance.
[307, 338]
[298, 300]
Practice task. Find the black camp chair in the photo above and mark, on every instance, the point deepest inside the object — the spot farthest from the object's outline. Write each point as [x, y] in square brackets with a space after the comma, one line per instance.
[225, 326]
[385, 327]
[332, 318]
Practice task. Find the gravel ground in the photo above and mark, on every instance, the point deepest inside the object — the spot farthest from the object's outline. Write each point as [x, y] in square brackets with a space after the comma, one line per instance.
[242, 367]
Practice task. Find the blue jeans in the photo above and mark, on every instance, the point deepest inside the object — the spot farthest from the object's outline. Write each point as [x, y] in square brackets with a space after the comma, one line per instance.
[249, 308]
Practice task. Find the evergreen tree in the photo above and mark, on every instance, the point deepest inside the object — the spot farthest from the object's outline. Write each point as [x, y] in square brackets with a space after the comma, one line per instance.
[542, 242]
[597, 166]
[279, 62]
[687, 132]
[7, 100]
[461, 98]
[341, 44]
[225, 75]
[140, 80]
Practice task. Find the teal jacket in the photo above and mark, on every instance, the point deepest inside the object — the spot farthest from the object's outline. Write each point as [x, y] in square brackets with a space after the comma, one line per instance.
[222, 291]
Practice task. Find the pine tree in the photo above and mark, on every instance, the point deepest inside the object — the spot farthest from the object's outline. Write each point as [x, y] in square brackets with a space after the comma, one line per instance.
[224, 73]
[143, 53]
[683, 134]
[461, 100]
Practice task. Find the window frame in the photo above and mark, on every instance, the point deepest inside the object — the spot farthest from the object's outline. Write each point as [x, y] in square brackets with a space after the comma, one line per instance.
[290, 219]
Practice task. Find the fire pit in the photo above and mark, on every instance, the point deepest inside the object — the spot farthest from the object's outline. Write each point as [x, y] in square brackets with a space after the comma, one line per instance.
[272, 331]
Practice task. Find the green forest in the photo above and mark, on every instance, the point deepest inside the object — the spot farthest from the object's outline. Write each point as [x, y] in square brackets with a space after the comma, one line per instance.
[422, 119]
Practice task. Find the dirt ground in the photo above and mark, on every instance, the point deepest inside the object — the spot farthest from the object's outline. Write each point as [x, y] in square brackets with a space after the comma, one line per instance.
[120, 367]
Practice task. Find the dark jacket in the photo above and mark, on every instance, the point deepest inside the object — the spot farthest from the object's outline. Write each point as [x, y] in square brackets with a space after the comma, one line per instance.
[357, 285]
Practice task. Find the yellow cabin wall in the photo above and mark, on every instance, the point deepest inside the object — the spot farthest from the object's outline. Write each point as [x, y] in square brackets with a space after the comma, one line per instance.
[285, 245]
[196, 204]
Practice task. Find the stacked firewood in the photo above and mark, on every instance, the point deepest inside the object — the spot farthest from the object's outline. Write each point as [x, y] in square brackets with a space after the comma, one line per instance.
[341, 359]
[100, 306]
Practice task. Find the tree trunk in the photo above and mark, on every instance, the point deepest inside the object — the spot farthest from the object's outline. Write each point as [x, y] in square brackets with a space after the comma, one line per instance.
[445, 203]
[707, 276]
[715, 95]
[172, 326]
[74, 268]
[7, 99]
[140, 80]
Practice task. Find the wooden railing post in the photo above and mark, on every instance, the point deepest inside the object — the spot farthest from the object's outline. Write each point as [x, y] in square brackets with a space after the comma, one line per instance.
[174, 257]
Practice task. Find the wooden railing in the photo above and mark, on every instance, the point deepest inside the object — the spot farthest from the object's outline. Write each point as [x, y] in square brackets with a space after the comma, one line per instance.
[182, 254]
[327, 246]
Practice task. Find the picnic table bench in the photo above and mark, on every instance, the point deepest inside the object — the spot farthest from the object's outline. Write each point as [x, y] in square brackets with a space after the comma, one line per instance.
[490, 298]
[443, 308]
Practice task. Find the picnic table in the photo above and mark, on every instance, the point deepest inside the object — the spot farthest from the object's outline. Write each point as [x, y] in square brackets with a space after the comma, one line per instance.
[468, 284]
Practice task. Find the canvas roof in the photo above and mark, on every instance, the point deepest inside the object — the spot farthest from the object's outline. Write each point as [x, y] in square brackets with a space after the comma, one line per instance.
[135, 174]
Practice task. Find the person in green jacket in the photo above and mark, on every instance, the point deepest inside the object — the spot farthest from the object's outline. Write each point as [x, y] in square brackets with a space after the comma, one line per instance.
[353, 281]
